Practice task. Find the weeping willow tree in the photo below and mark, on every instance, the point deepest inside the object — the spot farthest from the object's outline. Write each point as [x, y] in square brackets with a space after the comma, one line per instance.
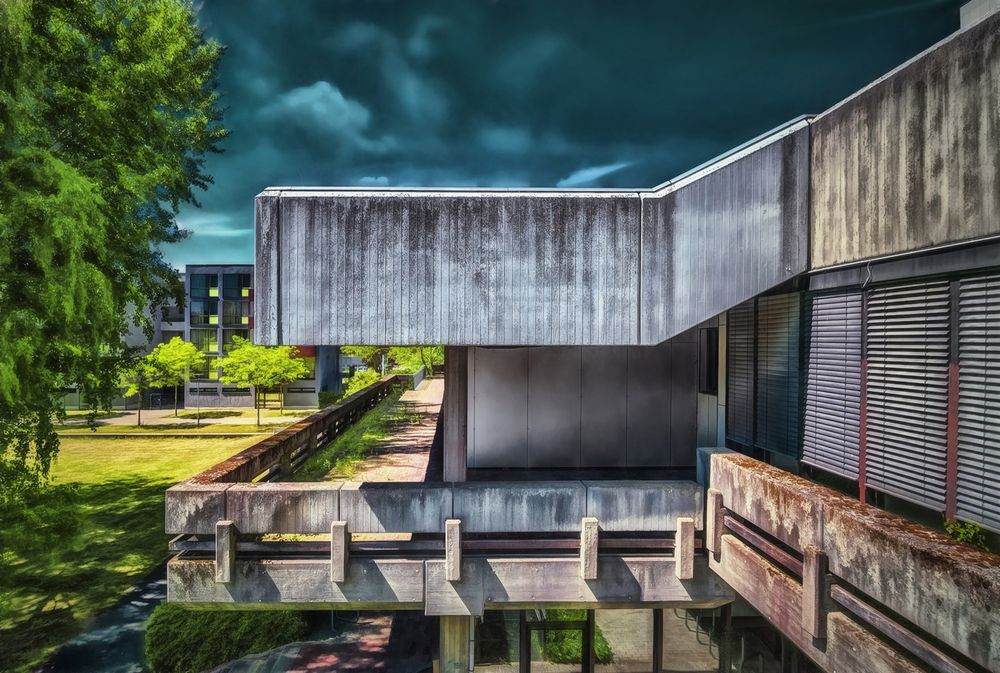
[107, 110]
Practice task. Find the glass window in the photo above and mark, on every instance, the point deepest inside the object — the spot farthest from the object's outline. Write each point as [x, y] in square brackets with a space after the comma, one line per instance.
[235, 392]
[228, 334]
[236, 285]
[205, 340]
[498, 641]
[204, 285]
[708, 361]
[204, 313]
[623, 641]
[171, 313]
[236, 313]
[311, 364]
[208, 372]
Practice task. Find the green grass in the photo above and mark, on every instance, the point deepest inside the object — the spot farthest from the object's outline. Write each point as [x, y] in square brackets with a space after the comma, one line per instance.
[72, 550]
[183, 428]
[339, 459]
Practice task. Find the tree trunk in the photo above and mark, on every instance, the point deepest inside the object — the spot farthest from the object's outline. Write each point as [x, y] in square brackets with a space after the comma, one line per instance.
[175, 400]
[256, 403]
[138, 411]
[281, 402]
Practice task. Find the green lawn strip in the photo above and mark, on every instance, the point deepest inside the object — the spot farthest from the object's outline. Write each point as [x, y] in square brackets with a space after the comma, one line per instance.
[72, 550]
[182, 428]
[340, 458]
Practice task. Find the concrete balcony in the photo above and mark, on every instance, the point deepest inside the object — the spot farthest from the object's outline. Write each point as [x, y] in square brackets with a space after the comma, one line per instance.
[448, 548]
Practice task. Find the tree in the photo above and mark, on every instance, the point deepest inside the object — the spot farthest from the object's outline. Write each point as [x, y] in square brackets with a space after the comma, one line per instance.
[260, 367]
[107, 110]
[387, 358]
[175, 360]
[140, 376]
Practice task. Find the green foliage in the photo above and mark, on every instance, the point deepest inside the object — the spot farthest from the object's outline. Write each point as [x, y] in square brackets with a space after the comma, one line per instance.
[566, 646]
[261, 367]
[360, 381]
[407, 359]
[106, 112]
[176, 360]
[967, 532]
[192, 641]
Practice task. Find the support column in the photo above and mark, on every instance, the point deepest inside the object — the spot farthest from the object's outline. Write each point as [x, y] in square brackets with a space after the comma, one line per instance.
[456, 412]
[455, 648]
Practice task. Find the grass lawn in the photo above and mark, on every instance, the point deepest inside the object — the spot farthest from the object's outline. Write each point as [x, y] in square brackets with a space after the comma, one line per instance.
[75, 548]
[339, 459]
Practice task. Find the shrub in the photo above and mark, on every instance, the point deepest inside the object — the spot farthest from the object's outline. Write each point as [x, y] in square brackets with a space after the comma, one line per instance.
[360, 380]
[179, 640]
[566, 646]
[967, 532]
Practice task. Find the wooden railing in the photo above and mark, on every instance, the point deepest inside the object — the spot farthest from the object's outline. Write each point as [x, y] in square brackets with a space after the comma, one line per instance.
[855, 588]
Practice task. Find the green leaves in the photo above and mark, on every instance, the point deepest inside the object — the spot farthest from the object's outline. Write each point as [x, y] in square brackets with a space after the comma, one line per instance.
[261, 366]
[175, 361]
[106, 112]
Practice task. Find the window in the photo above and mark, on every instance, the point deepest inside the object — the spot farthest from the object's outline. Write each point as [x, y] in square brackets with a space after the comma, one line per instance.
[311, 364]
[171, 313]
[235, 392]
[235, 313]
[228, 334]
[236, 285]
[300, 390]
[209, 372]
[205, 392]
[206, 340]
[708, 361]
[204, 285]
[204, 313]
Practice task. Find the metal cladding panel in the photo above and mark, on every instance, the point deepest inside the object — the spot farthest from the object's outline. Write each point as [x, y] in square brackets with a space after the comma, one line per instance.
[647, 430]
[455, 268]
[554, 418]
[907, 343]
[725, 237]
[831, 427]
[564, 407]
[603, 402]
[912, 161]
[740, 375]
[979, 401]
[498, 425]
[779, 417]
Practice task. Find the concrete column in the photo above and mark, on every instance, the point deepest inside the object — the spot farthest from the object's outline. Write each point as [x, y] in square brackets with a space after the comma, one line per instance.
[455, 649]
[456, 412]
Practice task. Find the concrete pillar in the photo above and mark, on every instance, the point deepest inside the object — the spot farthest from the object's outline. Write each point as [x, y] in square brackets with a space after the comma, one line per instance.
[456, 412]
[455, 649]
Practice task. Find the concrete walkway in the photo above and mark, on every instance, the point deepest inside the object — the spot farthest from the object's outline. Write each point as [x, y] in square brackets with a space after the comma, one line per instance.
[236, 416]
[405, 455]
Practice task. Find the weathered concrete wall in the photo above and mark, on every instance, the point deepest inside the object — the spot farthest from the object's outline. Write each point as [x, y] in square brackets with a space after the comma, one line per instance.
[946, 588]
[716, 239]
[912, 161]
[530, 267]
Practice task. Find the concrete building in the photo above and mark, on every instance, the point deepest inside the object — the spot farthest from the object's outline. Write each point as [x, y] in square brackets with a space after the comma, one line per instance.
[809, 324]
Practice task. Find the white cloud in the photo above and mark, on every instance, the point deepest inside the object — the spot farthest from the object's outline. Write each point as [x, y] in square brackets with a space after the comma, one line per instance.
[320, 106]
[584, 176]
[374, 181]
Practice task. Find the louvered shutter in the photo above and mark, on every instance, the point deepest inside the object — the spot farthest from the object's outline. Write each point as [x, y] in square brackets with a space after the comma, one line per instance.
[778, 371]
[831, 426]
[907, 401]
[740, 374]
[979, 401]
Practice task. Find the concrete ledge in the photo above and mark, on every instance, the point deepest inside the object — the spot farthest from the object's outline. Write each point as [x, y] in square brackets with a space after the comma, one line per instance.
[644, 506]
[520, 506]
[621, 582]
[395, 507]
[194, 508]
[849, 646]
[371, 584]
[282, 507]
[464, 597]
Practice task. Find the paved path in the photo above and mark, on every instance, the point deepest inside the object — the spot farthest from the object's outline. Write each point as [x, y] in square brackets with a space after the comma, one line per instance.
[242, 416]
[404, 456]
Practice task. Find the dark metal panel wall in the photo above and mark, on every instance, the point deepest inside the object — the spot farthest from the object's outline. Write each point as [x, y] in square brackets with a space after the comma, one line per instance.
[554, 405]
[907, 344]
[831, 428]
[604, 396]
[726, 237]
[580, 406]
[498, 423]
[914, 160]
[978, 491]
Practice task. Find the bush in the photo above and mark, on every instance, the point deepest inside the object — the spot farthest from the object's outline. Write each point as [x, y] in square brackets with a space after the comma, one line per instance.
[967, 532]
[566, 647]
[359, 381]
[180, 640]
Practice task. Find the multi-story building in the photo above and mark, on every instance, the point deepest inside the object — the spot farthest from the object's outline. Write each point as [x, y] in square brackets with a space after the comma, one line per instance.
[810, 325]
[219, 309]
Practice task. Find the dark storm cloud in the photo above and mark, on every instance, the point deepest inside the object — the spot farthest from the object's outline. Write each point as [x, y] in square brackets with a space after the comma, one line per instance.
[505, 94]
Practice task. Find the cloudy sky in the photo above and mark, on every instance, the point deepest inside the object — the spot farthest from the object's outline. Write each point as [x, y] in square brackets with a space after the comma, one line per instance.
[526, 93]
